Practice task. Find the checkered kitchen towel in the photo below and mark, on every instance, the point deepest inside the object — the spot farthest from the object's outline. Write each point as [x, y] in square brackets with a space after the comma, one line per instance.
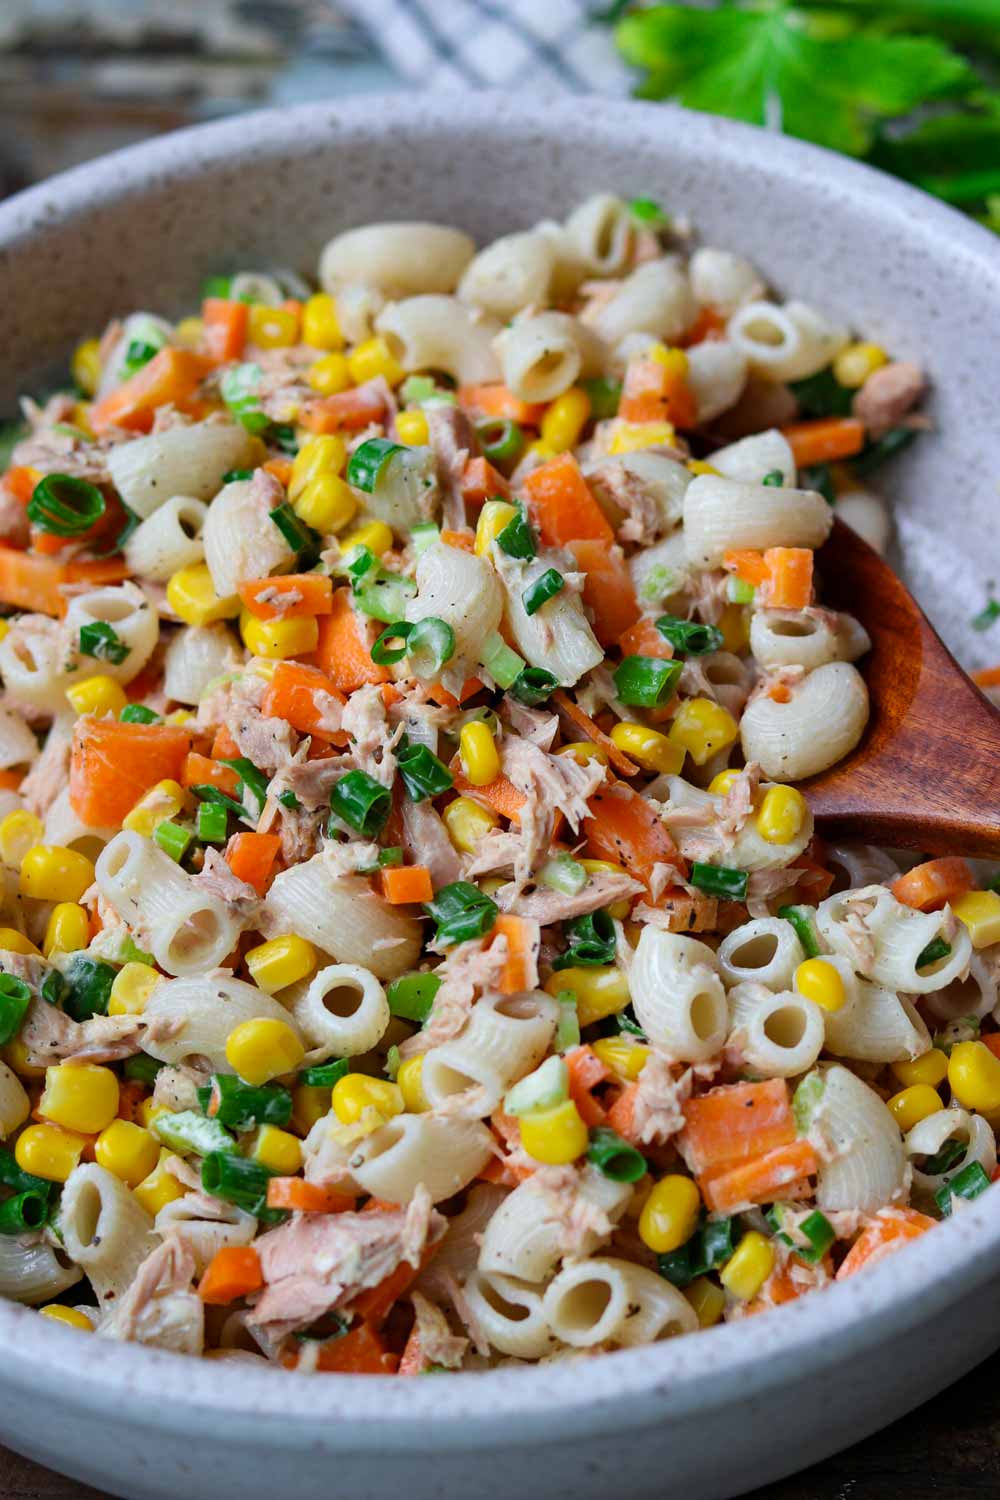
[542, 45]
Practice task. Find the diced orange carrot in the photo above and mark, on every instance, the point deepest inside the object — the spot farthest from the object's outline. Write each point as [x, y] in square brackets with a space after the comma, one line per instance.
[586, 1071]
[412, 1361]
[749, 566]
[562, 504]
[759, 1180]
[10, 780]
[200, 770]
[733, 1123]
[991, 1039]
[348, 411]
[251, 858]
[889, 1230]
[655, 393]
[825, 440]
[374, 1304]
[643, 639]
[607, 587]
[465, 541]
[481, 482]
[34, 583]
[501, 794]
[790, 577]
[234, 1271]
[439, 694]
[281, 468]
[314, 596]
[224, 747]
[402, 884]
[498, 401]
[520, 972]
[20, 482]
[987, 677]
[583, 724]
[112, 765]
[225, 328]
[709, 324]
[624, 828]
[306, 1197]
[933, 884]
[169, 378]
[341, 651]
[621, 1115]
[299, 695]
[360, 1352]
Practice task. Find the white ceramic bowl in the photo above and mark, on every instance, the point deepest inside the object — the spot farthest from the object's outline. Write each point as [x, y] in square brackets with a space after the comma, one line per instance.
[710, 1415]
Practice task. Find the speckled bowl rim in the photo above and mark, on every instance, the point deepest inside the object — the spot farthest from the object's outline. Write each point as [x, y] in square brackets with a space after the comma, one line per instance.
[688, 1376]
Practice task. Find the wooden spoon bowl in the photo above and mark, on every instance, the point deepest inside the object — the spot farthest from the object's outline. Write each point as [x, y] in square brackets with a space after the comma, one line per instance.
[926, 774]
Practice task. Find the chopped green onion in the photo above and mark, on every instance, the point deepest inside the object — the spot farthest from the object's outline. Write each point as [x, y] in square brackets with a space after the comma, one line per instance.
[675, 1266]
[800, 919]
[815, 1226]
[625, 1021]
[361, 802]
[605, 397]
[936, 949]
[385, 652]
[987, 616]
[658, 583]
[424, 775]
[325, 1075]
[217, 286]
[173, 839]
[501, 440]
[142, 1068]
[20, 1215]
[411, 997]
[591, 940]
[368, 461]
[564, 874]
[423, 536]
[240, 390]
[211, 823]
[139, 353]
[546, 1087]
[568, 1024]
[54, 988]
[384, 596]
[391, 856]
[239, 1105]
[517, 538]
[90, 982]
[234, 476]
[64, 505]
[738, 591]
[252, 780]
[533, 686]
[429, 645]
[819, 478]
[207, 793]
[416, 389]
[806, 1099]
[13, 1176]
[503, 664]
[713, 1244]
[647, 681]
[544, 588]
[393, 1062]
[186, 1131]
[288, 799]
[950, 1154]
[299, 536]
[138, 713]
[689, 637]
[648, 212]
[15, 997]
[359, 563]
[968, 1183]
[822, 395]
[614, 1157]
[461, 911]
[774, 479]
[99, 640]
[720, 880]
[236, 1180]
[878, 453]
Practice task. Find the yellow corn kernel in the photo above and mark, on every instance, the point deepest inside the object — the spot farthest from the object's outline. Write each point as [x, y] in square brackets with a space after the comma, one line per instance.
[46, 1151]
[16, 942]
[565, 419]
[782, 814]
[79, 1096]
[622, 1056]
[80, 417]
[189, 333]
[179, 716]
[409, 1080]
[330, 375]
[68, 929]
[735, 626]
[703, 728]
[86, 366]
[980, 911]
[131, 989]
[699, 466]
[15, 1054]
[854, 364]
[148, 1111]
[263, 1049]
[279, 639]
[555, 1136]
[272, 327]
[584, 750]
[931, 1068]
[327, 504]
[707, 1299]
[600, 991]
[648, 747]
[320, 324]
[542, 449]
[375, 535]
[71, 1316]
[280, 962]
[467, 822]
[617, 909]
[164, 800]
[748, 1268]
[820, 982]
[974, 1076]
[674, 360]
[356, 1092]
[192, 597]
[412, 429]
[19, 832]
[51, 873]
[630, 436]
[670, 1214]
[372, 358]
[494, 517]
[914, 1104]
[4, 628]
[278, 1150]
[721, 784]
[320, 455]
[478, 749]
[309, 1104]
[97, 695]
[127, 1150]
[159, 1188]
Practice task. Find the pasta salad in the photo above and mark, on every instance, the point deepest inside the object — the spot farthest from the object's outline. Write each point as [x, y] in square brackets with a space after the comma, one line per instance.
[415, 952]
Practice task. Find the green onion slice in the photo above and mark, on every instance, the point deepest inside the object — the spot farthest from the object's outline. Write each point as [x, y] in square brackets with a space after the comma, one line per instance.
[212, 821]
[64, 505]
[172, 838]
[544, 588]
[235, 476]
[242, 1106]
[591, 942]
[325, 1075]
[424, 535]
[968, 1183]
[385, 652]
[90, 982]
[236, 1180]
[185, 1131]
[517, 538]
[720, 880]
[774, 479]
[614, 1157]
[605, 397]
[936, 949]
[299, 536]
[368, 461]
[361, 802]
[688, 636]
[800, 919]
[503, 664]
[647, 681]
[138, 713]
[461, 911]
[27, 1211]
[533, 686]
[424, 775]
[15, 997]
[411, 997]
[99, 640]
[430, 644]
[500, 439]
[562, 873]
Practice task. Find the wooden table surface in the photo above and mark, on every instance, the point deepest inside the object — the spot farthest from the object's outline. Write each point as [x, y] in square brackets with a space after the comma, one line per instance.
[948, 1449]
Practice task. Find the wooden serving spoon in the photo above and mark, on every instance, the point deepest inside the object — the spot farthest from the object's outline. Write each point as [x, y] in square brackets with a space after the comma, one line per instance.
[926, 774]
